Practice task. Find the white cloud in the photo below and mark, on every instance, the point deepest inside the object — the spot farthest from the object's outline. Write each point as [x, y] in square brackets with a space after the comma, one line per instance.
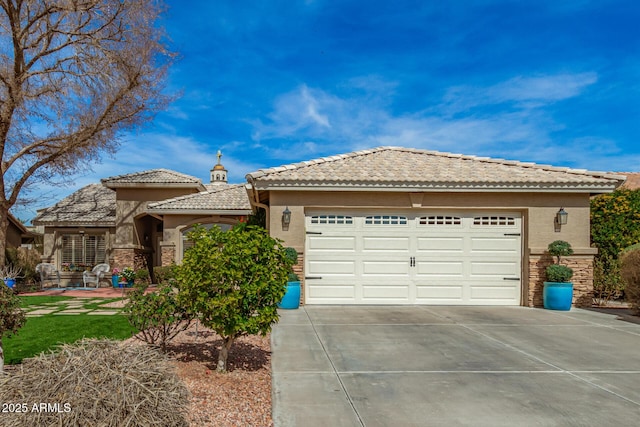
[524, 92]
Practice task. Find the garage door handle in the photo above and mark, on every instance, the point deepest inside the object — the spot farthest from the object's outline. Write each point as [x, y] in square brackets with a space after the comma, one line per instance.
[312, 277]
[511, 234]
[510, 278]
[314, 232]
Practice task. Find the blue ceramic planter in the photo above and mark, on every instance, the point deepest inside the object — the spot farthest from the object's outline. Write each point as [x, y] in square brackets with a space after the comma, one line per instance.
[291, 299]
[557, 295]
[10, 282]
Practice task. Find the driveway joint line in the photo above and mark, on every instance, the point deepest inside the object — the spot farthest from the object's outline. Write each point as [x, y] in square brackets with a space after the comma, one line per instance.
[571, 373]
[335, 371]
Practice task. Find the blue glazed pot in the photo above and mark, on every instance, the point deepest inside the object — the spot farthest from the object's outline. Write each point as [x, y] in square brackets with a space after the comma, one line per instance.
[10, 282]
[115, 279]
[291, 299]
[557, 295]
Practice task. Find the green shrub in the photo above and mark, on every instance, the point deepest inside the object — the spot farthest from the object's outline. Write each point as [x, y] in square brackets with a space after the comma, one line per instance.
[164, 274]
[292, 257]
[233, 280]
[630, 271]
[157, 315]
[142, 277]
[615, 221]
[559, 273]
[12, 317]
[607, 281]
[559, 248]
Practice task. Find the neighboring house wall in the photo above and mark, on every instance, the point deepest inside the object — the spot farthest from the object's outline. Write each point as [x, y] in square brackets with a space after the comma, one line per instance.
[537, 209]
[14, 236]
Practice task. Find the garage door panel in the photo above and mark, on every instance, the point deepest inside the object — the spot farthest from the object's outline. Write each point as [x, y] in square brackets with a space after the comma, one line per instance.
[331, 244]
[385, 268]
[493, 293]
[385, 292]
[495, 245]
[440, 244]
[451, 292]
[331, 268]
[331, 291]
[440, 268]
[386, 244]
[494, 269]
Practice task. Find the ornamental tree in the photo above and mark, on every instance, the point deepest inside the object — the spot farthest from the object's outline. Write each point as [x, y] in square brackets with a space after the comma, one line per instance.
[233, 282]
[73, 76]
[12, 317]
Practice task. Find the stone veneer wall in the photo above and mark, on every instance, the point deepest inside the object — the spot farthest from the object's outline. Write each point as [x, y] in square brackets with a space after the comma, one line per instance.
[130, 257]
[168, 254]
[299, 270]
[582, 278]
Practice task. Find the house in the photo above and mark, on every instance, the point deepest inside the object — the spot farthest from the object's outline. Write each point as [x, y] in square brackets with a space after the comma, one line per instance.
[394, 225]
[18, 235]
[136, 220]
[389, 225]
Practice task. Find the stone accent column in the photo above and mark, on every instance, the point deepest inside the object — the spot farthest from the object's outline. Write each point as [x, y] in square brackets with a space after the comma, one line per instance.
[123, 257]
[299, 270]
[168, 253]
[582, 279]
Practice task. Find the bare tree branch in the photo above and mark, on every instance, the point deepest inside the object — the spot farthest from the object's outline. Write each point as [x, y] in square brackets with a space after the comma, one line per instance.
[74, 74]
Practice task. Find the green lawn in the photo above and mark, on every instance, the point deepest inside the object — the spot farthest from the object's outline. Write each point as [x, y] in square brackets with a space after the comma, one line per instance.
[44, 333]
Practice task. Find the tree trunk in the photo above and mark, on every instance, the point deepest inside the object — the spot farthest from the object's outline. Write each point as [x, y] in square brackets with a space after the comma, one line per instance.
[4, 224]
[224, 353]
[1, 355]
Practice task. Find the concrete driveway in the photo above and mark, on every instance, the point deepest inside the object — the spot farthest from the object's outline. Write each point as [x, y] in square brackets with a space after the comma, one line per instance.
[454, 366]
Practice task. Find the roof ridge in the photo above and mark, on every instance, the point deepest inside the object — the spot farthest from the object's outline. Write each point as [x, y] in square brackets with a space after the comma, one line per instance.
[584, 172]
[147, 172]
[188, 196]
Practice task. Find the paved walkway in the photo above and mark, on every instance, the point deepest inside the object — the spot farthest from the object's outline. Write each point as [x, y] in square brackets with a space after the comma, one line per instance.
[454, 366]
[91, 302]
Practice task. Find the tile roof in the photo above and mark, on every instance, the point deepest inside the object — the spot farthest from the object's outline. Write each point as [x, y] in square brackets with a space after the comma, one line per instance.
[153, 176]
[633, 180]
[218, 197]
[407, 168]
[94, 204]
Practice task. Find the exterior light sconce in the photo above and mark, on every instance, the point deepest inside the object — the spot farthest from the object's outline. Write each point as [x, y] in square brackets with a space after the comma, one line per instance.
[286, 218]
[561, 217]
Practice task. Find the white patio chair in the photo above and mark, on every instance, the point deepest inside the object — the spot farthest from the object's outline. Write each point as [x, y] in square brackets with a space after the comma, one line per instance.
[48, 273]
[95, 275]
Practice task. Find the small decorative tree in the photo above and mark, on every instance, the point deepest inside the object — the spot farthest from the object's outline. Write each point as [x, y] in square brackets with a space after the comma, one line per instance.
[12, 317]
[557, 272]
[233, 281]
[157, 315]
[292, 256]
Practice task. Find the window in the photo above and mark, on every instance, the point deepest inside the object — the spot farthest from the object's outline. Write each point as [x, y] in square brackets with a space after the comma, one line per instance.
[440, 220]
[494, 220]
[80, 251]
[385, 220]
[332, 219]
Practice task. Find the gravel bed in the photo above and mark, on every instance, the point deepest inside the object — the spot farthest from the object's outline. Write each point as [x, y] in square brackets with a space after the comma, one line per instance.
[240, 397]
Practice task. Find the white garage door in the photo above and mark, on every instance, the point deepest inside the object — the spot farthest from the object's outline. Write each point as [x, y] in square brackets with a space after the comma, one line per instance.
[468, 258]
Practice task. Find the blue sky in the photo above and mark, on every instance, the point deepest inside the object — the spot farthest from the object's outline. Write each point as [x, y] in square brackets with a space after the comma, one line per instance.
[275, 82]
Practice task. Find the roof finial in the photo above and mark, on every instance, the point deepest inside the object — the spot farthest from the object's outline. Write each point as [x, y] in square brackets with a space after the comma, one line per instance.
[219, 156]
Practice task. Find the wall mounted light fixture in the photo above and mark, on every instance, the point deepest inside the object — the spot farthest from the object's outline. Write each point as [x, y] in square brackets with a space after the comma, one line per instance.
[561, 217]
[286, 217]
